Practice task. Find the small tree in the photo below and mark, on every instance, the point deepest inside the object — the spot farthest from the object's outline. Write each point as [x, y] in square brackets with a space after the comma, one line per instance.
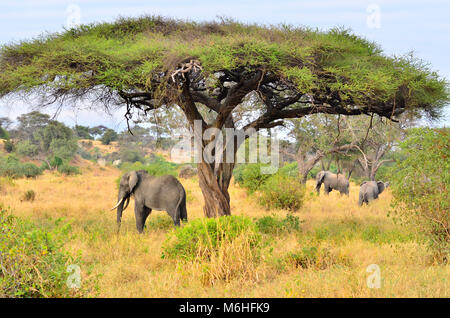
[420, 186]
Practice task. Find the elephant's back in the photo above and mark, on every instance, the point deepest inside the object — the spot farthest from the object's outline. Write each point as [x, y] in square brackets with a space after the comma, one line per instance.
[167, 183]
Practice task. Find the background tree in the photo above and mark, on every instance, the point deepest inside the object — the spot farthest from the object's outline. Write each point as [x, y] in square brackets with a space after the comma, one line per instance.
[375, 138]
[29, 124]
[108, 136]
[317, 137]
[148, 62]
[5, 123]
[82, 132]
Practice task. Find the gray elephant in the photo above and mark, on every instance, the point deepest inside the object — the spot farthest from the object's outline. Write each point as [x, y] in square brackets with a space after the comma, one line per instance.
[370, 190]
[332, 181]
[150, 192]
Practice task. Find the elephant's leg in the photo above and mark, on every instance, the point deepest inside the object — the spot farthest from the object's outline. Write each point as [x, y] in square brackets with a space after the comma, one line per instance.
[146, 213]
[361, 199]
[139, 214]
[175, 215]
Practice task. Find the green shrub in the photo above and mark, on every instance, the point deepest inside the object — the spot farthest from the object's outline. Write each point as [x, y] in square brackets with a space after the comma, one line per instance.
[30, 170]
[277, 225]
[69, 170]
[420, 185]
[249, 176]
[4, 134]
[282, 192]
[33, 259]
[290, 169]
[201, 238]
[56, 161]
[27, 149]
[10, 166]
[8, 146]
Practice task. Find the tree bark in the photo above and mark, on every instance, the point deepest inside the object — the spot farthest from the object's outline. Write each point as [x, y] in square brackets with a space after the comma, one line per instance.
[214, 186]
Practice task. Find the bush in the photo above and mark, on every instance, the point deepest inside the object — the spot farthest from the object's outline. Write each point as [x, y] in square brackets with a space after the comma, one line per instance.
[282, 192]
[131, 155]
[9, 146]
[33, 259]
[69, 170]
[10, 166]
[27, 149]
[203, 237]
[249, 176]
[277, 225]
[30, 170]
[420, 187]
[220, 249]
[3, 134]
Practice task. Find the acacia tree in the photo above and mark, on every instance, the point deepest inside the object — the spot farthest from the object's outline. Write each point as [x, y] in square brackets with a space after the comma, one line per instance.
[149, 62]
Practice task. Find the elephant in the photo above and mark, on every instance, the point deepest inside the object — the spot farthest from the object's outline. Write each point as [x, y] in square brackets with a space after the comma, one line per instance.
[370, 190]
[151, 193]
[332, 181]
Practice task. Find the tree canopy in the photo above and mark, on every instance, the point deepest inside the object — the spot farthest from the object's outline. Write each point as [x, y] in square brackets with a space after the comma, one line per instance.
[149, 62]
[134, 55]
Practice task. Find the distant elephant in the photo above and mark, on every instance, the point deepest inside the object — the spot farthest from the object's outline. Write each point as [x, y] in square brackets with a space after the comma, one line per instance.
[150, 192]
[332, 181]
[370, 190]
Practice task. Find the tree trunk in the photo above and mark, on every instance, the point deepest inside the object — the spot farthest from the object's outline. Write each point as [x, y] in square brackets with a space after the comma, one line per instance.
[214, 186]
[305, 166]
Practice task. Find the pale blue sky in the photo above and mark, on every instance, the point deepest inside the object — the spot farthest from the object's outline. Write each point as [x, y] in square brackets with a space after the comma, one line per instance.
[404, 26]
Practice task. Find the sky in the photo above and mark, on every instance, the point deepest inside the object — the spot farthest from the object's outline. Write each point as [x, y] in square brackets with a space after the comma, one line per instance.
[399, 27]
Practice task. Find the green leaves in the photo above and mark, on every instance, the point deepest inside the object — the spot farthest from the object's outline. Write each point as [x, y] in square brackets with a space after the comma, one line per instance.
[420, 186]
[129, 53]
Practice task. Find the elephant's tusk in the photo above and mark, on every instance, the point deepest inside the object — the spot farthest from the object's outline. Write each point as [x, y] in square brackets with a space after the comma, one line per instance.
[126, 203]
[118, 203]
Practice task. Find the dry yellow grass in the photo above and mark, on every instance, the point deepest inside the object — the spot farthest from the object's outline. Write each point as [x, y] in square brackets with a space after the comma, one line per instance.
[130, 265]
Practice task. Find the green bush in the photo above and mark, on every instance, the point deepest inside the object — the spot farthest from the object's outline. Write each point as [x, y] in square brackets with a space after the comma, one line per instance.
[33, 259]
[290, 169]
[9, 146]
[282, 192]
[249, 176]
[69, 170]
[27, 149]
[10, 166]
[3, 134]
[30, 170]
[277, 225]
[203, 237]
[420, 185]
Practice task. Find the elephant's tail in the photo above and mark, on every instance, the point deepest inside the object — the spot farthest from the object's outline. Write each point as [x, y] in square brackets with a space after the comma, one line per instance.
[319, 180]
[181, 207]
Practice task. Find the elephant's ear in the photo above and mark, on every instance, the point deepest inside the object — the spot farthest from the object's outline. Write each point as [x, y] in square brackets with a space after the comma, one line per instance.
[363, 183]
[380, 186]
[132, 180]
